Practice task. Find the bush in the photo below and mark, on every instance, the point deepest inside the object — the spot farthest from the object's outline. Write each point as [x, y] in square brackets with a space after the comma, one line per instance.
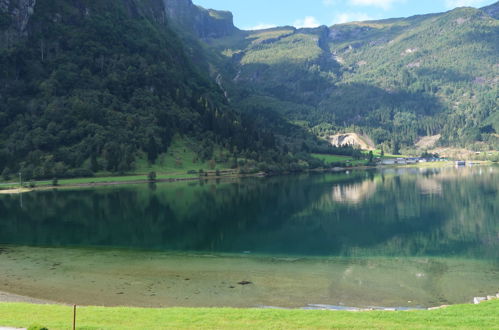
[32, 184]
[37, 327]
[152, 176]
[6, 174]
[55, 182]
[79, 173]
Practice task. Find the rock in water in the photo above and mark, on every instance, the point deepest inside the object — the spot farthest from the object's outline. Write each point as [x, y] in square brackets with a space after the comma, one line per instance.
[478, 300]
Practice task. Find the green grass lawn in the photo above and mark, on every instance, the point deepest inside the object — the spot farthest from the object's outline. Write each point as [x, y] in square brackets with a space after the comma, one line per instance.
[483, 316]
[328, 159]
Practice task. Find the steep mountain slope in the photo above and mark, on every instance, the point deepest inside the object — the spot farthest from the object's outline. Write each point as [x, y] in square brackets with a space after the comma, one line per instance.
[204, 23]
[394, 79]
[90, 85]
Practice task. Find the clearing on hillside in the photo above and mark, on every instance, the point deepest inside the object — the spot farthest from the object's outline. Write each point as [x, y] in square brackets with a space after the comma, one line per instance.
[352, 139]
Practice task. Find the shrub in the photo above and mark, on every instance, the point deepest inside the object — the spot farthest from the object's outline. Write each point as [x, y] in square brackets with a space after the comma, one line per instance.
[152, 176]
[55, 182]
[37, 327]
[6, 174]
[79, 173]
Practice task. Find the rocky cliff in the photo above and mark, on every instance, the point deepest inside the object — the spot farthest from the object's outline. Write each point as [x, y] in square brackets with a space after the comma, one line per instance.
[14, 19]
[204, 23]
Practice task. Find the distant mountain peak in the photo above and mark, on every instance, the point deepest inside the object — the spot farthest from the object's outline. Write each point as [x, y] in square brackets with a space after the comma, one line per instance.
[205, 23]
[492, 10]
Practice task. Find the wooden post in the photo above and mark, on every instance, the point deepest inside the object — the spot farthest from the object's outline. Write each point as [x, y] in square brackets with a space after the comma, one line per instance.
[74, 317]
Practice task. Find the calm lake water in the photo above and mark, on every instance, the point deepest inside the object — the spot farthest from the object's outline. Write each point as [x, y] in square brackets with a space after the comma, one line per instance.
[394, 237]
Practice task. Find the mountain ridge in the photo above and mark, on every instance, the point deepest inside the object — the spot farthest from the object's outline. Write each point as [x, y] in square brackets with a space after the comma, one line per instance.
[394, 79]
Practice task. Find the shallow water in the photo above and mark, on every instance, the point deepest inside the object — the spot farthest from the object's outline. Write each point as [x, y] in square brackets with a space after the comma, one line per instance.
[398, 237]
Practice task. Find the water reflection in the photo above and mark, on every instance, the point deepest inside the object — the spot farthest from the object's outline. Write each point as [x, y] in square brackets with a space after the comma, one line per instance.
[409, 212]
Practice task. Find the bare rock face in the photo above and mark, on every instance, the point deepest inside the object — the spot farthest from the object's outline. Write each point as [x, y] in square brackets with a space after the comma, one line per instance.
[205, 23]
[14, 19]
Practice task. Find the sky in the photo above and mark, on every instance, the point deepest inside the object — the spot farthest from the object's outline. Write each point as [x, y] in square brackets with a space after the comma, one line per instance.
[259, 14]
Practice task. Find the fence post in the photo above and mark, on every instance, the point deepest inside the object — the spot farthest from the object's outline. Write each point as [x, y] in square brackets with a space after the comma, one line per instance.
[74, 317]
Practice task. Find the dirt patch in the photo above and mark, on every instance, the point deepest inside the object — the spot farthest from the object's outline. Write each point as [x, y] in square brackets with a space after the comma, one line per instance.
[429, 141]
[352, 139]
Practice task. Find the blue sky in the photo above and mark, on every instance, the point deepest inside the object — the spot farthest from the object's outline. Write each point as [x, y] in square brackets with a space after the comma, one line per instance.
[252, 14]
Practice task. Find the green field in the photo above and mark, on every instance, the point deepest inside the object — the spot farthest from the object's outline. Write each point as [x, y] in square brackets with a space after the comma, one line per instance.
[175, 164]
[348, 160]
[483, 316]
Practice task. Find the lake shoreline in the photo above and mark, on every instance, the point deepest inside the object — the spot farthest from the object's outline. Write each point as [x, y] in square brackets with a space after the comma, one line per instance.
[7, 297]
[90, 183]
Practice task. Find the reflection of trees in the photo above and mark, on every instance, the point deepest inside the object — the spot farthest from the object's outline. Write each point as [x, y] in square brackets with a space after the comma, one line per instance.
[361, 213]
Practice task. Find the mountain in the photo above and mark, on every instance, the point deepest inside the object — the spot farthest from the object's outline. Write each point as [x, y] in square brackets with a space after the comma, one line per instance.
[89, 86]
[396, 80]
[204, 23]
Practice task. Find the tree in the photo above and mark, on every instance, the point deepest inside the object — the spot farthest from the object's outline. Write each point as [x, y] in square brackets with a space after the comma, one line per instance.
[152, 176]
[6, 174]
[94, 165]
[371, 157]
[152, 150]
[395, 147]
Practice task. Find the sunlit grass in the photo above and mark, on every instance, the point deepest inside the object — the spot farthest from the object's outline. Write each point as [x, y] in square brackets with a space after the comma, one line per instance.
[483, 316]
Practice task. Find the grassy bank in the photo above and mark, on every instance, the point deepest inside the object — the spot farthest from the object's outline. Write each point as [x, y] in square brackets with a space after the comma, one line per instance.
[483, 316]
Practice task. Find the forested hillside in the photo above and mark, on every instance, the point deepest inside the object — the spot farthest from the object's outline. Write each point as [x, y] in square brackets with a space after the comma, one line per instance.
[89, 86]
[395, 80]
[92, 86]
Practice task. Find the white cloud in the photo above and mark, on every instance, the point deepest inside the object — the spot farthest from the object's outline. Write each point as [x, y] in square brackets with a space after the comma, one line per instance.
[451, 4]
[385, 4]
[307, 22]
[261, 26]
[351, 17]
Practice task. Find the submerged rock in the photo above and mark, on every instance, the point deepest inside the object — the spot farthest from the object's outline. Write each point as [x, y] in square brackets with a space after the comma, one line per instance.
[478, 300]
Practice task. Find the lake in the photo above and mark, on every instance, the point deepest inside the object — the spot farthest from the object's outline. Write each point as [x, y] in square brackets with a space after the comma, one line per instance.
[396, 237]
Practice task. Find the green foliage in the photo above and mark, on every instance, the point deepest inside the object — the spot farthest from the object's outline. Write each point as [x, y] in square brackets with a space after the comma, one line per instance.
[37, 327]
[151, 176]
[394, 80]
[6, 174]
[101, 88]
[296, 48]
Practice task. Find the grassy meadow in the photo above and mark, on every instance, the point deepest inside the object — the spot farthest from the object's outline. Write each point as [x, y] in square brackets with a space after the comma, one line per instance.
[483, 316]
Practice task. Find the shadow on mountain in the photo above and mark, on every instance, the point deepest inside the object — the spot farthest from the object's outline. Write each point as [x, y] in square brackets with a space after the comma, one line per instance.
[443, 74]
[305, 92]
[486, 37]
